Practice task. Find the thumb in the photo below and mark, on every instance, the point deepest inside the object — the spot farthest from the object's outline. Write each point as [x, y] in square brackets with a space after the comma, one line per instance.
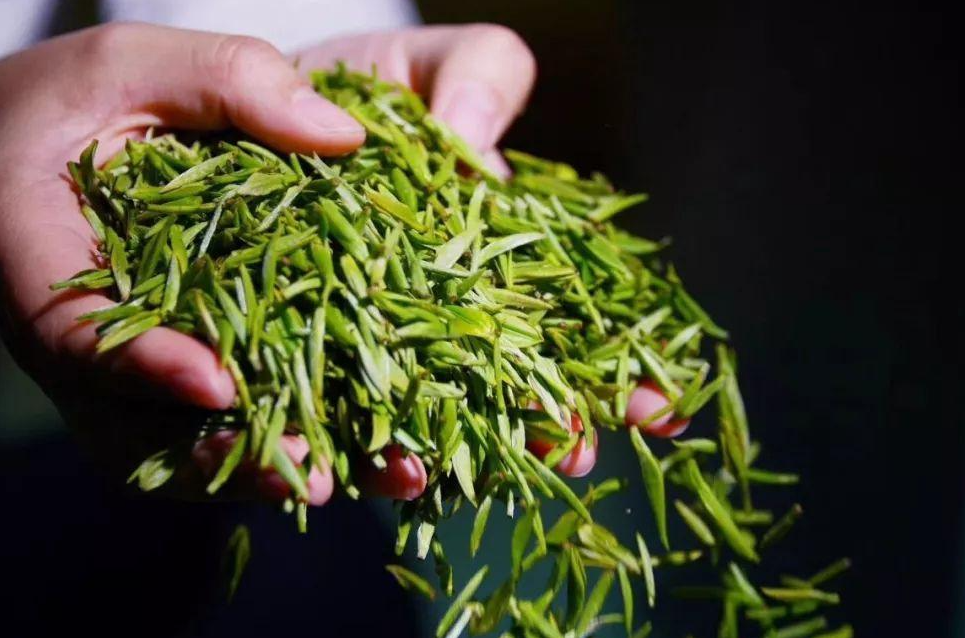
[107, 82]
[198, 80]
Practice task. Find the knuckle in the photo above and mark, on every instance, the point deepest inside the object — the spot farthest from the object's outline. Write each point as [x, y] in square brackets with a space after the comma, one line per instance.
[396, 65]
[501, 39]
[233, 56]
[107, 41]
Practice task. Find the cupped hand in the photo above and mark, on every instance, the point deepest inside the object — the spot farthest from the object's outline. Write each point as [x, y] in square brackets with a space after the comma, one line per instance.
[116, 81]
[477, 77]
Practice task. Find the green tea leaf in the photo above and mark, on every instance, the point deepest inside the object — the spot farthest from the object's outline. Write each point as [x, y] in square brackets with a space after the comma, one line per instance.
[198, 172]
[237, 554]
[402, 298]
[410, 580]
[449, 253]
[230, 462]
[503, 245]
[521, 536]
[479, 525]
[575, 588]
[119, 264]
[594, 602]
[462, 465]
[393, 207]
[132, 327]
[559, 488]
[626, 592]
[718, 512]
[646, 566]
[653, 481]
[154, 471]
[696, 524]
[460, 601]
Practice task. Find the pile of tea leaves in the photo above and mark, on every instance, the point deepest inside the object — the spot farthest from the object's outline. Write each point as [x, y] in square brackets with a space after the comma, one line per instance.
[402, 295]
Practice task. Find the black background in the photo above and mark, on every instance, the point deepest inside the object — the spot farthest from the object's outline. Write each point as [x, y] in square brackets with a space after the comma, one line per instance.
[806, 160]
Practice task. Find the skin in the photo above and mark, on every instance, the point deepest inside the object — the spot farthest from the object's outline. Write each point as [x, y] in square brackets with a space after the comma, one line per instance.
[115, 81]
[580, 461]
[647, 399]
[404, 477]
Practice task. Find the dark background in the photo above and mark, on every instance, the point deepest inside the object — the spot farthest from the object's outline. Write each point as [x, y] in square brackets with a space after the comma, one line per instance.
[807, 161]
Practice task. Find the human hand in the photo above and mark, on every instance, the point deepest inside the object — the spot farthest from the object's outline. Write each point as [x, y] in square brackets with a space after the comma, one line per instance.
[110, 83]
[116, 81]
[477, 77]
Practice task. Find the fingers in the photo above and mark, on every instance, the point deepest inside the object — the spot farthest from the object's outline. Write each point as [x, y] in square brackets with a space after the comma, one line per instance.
[125, 77]
[209, 453]
[320, 481]
[179, 365]
[497, 163]
[480, 83]
[646, 401]
[579, 461]
[58, 349]
[171, 364]
[404, 477]
[202, 80]
[477, 77]
[647, 408]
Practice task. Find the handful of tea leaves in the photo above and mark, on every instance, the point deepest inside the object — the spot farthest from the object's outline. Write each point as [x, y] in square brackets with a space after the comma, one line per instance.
[403, 296]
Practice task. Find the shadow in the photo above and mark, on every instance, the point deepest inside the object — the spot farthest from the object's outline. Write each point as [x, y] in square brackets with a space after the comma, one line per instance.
[81, 555]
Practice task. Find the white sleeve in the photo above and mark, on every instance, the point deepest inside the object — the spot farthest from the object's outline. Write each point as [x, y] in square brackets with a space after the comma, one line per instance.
[288, 24]
[23, 22]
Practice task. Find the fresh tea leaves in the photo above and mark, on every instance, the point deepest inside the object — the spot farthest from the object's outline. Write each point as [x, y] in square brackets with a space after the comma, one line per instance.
[403, 300]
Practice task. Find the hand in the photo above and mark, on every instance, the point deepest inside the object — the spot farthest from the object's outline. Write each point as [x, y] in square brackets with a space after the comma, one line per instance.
[109, 83]
[116, 81]
[477, 77]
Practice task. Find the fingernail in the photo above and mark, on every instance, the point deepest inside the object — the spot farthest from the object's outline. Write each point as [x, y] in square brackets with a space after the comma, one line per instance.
[320, 486]
[495, 162]
[646, 400]
[214, 389]
[220, 388]
[225, 388]
[295, 447]
[471, 112]
[313, 108]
